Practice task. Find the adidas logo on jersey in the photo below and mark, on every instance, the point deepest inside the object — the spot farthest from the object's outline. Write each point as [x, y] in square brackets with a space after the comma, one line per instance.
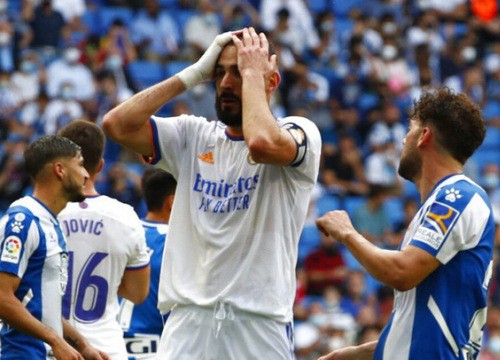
[207, 157]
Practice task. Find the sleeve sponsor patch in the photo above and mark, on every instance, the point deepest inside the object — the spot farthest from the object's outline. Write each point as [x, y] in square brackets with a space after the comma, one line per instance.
[300, 139]
[436, 224]
[11, 251]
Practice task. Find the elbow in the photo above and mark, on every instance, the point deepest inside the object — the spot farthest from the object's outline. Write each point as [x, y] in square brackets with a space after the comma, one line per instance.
[139, 298]
[401, 282]
[109, 122]
[259, 149]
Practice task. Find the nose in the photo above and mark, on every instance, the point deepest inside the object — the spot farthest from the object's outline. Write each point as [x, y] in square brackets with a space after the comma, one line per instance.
[227, 81]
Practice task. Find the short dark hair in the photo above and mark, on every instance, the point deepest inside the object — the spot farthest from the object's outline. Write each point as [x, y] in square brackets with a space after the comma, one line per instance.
[457, 119]
[90, 138]
[47, 149]
[156, 185]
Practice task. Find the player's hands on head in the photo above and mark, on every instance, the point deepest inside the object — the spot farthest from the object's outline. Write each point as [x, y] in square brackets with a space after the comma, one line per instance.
[253, 52]
[203, 69]
[336, 224]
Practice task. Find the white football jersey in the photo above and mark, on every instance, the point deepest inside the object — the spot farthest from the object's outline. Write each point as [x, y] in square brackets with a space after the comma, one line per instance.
[104, 239]
[235, 224]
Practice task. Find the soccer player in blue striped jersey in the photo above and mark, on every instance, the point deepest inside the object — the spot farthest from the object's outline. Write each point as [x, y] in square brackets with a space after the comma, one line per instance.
[33, 261]
[143, 324]
[442, 269]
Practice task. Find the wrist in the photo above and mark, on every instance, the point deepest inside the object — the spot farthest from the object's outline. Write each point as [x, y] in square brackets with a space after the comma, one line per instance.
[190, 76]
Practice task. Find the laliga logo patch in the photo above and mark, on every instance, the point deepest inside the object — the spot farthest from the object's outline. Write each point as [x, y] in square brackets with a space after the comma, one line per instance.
[12, 250]
[452, 195]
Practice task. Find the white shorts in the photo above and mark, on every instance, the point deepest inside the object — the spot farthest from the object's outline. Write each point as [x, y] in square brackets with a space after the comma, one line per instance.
[193, 332]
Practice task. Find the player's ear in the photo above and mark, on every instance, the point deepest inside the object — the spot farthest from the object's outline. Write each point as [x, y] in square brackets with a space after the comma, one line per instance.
[273, 81]
[59, 169]
[426, 136]
[100, 167]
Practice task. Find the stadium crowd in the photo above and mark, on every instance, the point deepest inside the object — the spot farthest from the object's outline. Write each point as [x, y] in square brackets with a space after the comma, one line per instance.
[353, 67]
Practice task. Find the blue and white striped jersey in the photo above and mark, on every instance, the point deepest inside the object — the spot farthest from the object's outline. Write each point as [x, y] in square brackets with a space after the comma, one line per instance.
[34, 249]
[443, 317]
[143, 324]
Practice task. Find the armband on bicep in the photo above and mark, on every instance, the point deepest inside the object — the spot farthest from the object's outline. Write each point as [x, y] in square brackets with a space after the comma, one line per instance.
[300, 138]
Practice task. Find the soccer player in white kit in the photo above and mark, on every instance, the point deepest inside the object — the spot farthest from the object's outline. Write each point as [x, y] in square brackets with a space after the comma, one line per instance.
[33, 260]
[442, 270]
[244, 184]
[107, 252]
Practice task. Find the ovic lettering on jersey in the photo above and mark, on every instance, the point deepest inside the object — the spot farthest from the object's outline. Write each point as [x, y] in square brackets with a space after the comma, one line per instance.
[222, 197]
[437, 222]
[83, 226]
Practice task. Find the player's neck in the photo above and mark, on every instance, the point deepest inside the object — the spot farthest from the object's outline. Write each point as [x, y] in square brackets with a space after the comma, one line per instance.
[157, 216]
[50, 197]
[89, 188]
[434, 172]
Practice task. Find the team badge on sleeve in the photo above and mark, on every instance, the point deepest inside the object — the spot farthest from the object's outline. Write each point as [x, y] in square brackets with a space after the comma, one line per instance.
[300, 139]
[11, 251]
[436, 224]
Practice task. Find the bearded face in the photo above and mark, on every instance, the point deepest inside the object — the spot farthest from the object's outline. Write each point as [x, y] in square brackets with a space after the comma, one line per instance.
[229, 109]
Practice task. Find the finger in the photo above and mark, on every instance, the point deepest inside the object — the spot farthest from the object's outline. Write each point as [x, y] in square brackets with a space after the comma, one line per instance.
[247, 39]
[237, 32]
[263, 41]
[273, 60]
[255, 37]
[237, 42]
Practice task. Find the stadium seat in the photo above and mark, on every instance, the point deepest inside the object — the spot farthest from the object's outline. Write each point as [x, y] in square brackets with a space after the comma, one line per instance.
[145, 73]
[109, 14]
[310, 239]
[173, 67]
[327, 203]
[351, 203]
[395, 210]
[342, 8]
[318, 6]
[492, 139]
[182, 17]
[491, 109]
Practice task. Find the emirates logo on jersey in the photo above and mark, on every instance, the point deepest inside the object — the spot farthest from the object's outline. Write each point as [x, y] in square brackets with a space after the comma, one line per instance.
[207, 157]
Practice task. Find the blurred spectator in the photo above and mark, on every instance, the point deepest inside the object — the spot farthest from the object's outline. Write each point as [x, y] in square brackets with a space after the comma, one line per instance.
[426, 31]
[13, 178]
[27, 80]
[382, 164]
[447, 11]
[124, 185]
[10, 98]
[389, 128]
[300, 19]
[492, 346]
[109, 94]
[410, 208]
[71, 10]
[70, 70]
[310, 92]
[116, 49]
[155, 33]
[61, 110]
[287, 34]
[327, 52]
[343, 172]
[201, 29]
[324, 266]
[390, 71]
[355, 297]
[32, 115]
[239, 14]
[46, 24]
[307, 341]
[200, 99]
[371, 218]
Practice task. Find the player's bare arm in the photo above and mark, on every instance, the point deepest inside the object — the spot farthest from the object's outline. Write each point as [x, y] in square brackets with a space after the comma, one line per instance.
[135, 285]
[17, 316]
[267, 142]
[402, 270]
[360, 352]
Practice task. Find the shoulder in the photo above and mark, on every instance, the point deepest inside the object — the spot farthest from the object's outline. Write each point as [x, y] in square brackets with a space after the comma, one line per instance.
[461, 193]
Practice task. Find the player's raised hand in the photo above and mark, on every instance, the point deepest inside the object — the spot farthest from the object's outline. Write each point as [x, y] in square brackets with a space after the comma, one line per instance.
[336, 224]
[253, 52]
